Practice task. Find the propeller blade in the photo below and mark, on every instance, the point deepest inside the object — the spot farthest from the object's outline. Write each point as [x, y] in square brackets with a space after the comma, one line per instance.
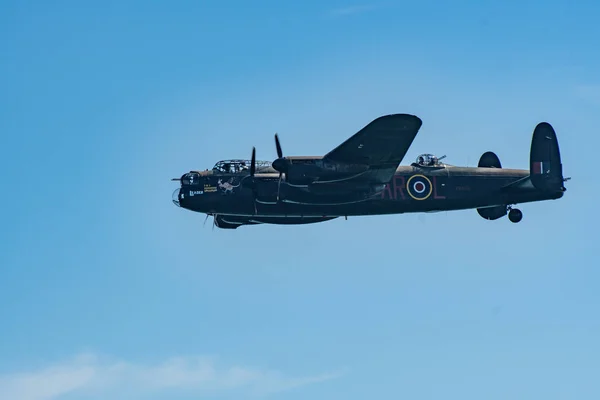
[280, 164]
[253, 162]
[278, 145]
[279, 186]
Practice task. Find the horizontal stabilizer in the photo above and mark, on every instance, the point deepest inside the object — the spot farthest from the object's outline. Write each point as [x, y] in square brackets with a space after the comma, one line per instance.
[489, 159]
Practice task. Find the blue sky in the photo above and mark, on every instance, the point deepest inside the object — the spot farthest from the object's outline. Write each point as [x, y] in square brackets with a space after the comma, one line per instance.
[108, 290]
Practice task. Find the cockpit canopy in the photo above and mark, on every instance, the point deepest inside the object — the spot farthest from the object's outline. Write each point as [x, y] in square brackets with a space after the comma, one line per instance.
[238, 166]
[191, 178]
[429, 160]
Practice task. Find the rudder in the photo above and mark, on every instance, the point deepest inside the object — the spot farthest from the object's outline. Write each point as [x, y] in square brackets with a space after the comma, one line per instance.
[544, 161]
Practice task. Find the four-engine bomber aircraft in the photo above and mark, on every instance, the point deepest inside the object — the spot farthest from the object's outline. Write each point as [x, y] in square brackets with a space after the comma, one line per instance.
[362, 176]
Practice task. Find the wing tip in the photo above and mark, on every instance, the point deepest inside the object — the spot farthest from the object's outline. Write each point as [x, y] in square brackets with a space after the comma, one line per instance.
[400, 129]
[397, 121]
[400, 116]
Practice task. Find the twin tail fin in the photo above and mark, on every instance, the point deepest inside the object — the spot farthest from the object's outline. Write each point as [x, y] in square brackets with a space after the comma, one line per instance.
[544, 161]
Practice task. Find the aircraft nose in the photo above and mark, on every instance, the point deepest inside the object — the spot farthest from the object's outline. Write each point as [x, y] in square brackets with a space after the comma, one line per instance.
[176, 196]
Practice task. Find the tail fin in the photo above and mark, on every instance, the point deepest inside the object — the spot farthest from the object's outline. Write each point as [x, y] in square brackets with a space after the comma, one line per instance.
[489, 159]
[545, 164]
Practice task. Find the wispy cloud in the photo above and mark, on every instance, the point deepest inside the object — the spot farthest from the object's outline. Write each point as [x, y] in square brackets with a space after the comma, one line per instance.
[89, 375]
[356, 9]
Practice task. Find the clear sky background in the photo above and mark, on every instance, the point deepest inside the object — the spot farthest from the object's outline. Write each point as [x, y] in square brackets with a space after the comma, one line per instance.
[109, 291]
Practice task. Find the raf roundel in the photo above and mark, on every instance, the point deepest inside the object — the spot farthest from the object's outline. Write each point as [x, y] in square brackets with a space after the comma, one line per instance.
[419, 187]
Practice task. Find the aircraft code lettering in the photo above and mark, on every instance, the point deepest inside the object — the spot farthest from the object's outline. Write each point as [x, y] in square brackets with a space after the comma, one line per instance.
[194, 192]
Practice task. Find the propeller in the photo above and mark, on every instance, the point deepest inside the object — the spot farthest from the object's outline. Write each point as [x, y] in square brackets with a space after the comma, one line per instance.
[249, 181]
[278, 145]
[280, 164]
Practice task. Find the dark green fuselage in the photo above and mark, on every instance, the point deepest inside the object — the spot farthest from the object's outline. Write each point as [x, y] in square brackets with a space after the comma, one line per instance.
[360, 177]
[412, 189]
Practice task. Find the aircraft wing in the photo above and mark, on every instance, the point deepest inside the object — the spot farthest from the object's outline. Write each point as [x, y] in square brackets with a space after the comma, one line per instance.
[381, 144]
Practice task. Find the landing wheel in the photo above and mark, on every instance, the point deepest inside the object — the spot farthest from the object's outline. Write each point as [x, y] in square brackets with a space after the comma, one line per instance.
[515, 215]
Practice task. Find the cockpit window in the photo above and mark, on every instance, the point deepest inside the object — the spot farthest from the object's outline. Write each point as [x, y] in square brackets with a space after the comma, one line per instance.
[238, 166]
